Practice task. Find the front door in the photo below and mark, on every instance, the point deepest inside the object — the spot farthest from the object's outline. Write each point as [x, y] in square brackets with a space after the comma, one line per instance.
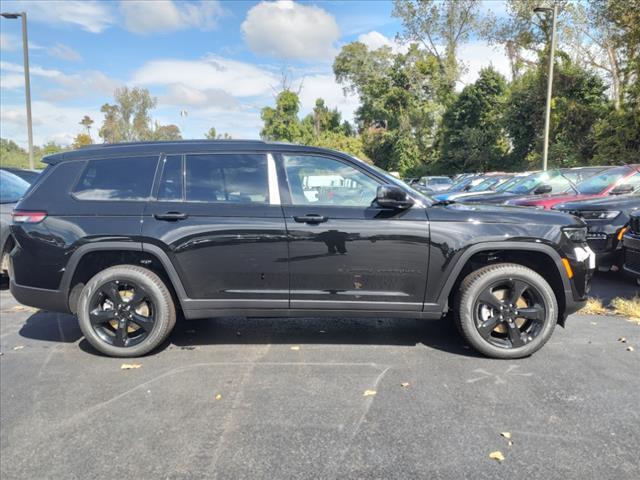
[219, 220]
[345, 252]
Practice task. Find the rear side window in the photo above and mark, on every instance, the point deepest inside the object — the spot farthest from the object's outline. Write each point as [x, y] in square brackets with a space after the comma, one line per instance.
[232, 178]
[128, 178]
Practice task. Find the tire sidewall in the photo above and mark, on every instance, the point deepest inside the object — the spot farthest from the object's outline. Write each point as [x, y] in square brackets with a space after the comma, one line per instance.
[163, 310]
[481, 282]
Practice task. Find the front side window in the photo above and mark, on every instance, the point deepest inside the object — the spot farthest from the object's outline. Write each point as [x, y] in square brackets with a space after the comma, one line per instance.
[127, 178]
[230, 178]
[324, 181]
[170, 188]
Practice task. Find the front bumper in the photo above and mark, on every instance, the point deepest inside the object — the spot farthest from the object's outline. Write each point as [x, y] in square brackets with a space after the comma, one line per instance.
[631, 255]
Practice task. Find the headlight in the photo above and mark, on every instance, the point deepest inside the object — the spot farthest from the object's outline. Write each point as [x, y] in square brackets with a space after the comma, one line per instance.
[576, 234]
[599, 214]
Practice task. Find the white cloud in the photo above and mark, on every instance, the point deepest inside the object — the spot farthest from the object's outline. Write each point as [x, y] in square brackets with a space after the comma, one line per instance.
[50, 122]
[182, 95]
[70, 86]
[476, 55]
[375, 40]
[210, 73]
[91, 15]
[159, 16]
[64, 52]
[9, 43]
[325, 87]
[289, 30]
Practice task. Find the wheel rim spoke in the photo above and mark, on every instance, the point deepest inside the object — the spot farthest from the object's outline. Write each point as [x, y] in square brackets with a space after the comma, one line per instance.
[486, 327]
[121, 337]
[110, 290]
[99, 317]
[490, 299]
[516, 289]
[532, 313]
[146, 323]
[515, 336]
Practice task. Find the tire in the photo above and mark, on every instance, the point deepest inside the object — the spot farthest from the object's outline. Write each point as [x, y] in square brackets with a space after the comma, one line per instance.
[126, 311]
[496, 325]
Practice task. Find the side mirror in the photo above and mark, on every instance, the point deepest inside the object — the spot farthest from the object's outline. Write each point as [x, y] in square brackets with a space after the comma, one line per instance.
[467, 188]
[622, 190]
[392, 196]
[542, 189]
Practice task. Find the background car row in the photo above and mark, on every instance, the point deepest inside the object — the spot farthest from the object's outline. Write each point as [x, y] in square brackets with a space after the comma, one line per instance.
[604, 197]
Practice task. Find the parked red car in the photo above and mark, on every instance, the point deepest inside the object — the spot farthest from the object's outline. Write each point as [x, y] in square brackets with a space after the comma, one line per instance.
[612, 181]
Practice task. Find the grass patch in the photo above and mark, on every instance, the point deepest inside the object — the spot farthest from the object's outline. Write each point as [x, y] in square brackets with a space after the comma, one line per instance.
[594, 306]
[627, 307]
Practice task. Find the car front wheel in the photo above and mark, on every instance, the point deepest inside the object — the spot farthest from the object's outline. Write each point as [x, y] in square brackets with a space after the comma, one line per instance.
[126, 311]
[506, 310]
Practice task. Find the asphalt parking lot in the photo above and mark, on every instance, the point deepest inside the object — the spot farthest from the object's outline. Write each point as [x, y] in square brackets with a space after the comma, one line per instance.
[277, 398]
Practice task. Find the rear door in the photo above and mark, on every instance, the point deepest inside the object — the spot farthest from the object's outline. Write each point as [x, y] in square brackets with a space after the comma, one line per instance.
[220, 222]
[345, 252]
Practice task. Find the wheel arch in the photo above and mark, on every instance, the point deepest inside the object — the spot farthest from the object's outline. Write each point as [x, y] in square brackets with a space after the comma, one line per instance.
[89, 259]
[538, 256]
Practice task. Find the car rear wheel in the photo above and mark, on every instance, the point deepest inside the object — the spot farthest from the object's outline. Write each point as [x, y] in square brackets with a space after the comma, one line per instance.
[126, 311]
[506, 310]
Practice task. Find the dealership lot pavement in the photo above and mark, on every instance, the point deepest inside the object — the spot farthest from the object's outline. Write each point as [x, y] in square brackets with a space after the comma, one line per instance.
[277, 398]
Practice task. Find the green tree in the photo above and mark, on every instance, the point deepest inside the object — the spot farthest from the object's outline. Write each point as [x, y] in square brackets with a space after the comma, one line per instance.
[282, 123]
[440, 26]
[578, 104]
[166, 132]
[82, 140]
[212, 134]
[128, 120]
[473, 137]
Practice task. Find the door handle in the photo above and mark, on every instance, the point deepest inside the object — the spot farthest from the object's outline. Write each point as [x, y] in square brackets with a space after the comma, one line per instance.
[311, 218]
[170, 216]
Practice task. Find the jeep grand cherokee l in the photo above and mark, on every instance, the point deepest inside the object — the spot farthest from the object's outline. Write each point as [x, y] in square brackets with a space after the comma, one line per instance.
[127, 236]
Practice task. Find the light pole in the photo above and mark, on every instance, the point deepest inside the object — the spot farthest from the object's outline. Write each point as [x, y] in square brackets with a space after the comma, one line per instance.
[27, 82]
[547, 114]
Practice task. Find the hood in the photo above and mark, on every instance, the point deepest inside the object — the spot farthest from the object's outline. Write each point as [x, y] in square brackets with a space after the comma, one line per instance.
[486, 213]
[548, 199]
[610, 202]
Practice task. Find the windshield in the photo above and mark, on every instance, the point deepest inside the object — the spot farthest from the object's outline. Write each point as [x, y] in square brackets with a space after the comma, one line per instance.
[508, 184]
[528, 184]
[596, 184]
[485, 184]
[458, 187]
[12, 188]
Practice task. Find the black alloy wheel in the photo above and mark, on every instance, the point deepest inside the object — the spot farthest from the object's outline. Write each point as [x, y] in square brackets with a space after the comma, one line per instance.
[122, 314]
[510, 313]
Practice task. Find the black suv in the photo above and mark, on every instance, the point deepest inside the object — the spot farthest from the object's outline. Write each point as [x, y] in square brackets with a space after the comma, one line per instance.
[631, 247]
[129, 236]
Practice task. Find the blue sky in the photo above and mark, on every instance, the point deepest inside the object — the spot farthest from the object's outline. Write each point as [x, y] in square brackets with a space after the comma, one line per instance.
[209, 63]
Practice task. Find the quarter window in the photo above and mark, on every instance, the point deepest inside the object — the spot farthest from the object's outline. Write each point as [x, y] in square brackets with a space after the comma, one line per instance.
[232, 178]
[117, 179]
[325, 181]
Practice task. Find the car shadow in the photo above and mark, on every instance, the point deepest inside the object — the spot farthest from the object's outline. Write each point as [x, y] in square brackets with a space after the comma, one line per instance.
[51, 327]
[189, 334]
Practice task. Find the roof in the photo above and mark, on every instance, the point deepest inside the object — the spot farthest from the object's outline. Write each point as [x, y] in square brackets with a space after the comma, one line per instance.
[177, 147]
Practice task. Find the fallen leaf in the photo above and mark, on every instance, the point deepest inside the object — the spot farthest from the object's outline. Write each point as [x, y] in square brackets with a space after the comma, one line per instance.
[218, 396]
[129, 366]
[630, 348]
[18, 347]
[506, 435]
[594, 323]
[295, 347]
[622, 340]
[404, 384]
[497, 455]
[22, 308]
[510, 443]
[369, 393]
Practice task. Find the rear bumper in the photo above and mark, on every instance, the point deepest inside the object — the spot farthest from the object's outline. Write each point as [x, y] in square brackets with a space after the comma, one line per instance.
[51, 300]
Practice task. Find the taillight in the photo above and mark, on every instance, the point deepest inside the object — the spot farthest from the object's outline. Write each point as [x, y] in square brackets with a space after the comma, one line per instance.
[22, 216]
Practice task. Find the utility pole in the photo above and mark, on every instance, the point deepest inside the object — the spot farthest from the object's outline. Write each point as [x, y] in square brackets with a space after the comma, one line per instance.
[547, 115]
[27, 82]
